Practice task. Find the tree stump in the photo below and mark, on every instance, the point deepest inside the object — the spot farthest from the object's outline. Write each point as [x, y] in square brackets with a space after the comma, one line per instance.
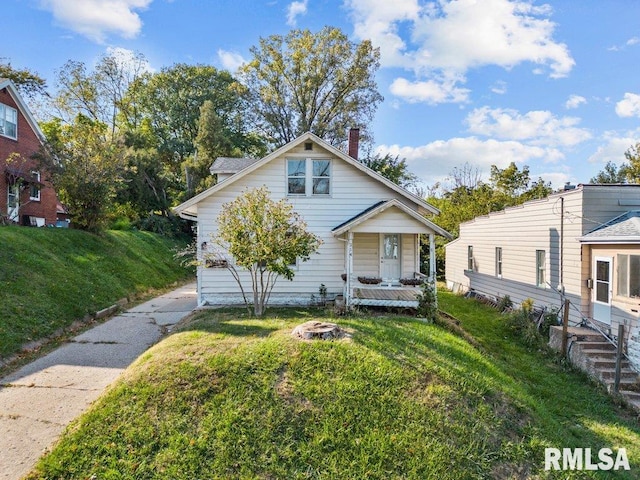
[314, 330]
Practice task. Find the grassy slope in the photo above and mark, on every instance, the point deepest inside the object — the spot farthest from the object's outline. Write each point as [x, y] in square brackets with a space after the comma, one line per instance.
[234, 397]
[51, 277]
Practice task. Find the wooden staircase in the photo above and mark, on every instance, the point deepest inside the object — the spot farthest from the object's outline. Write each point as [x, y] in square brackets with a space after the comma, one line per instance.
[590, 351]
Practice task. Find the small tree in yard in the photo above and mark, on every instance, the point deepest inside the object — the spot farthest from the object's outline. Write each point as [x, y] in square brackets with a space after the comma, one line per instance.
[265, 237]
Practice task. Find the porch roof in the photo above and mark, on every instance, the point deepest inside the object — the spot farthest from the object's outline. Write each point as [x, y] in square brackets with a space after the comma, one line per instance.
[412, 221]
[623, 229]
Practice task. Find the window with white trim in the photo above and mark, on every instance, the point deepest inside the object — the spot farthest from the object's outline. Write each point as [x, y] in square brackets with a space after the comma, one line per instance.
[499, 262]
[540, 268]
[470, 257]
[628, 275]
[8, 121]
[308, 177]
[34, 189]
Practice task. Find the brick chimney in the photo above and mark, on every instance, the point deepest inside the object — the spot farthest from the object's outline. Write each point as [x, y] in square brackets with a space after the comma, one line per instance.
[354, 142]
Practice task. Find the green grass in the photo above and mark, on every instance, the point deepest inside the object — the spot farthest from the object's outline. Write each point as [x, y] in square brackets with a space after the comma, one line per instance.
[51, 277]
[229, 396]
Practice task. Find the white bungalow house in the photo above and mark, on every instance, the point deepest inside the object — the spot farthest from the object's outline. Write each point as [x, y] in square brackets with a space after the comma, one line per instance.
[370, 227]
[583, 242]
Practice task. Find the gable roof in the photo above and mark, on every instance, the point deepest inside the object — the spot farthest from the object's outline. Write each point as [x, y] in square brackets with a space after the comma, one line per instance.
[380, 207]
[22, 106]
[189, 208]
[231, 164]
[624, 228]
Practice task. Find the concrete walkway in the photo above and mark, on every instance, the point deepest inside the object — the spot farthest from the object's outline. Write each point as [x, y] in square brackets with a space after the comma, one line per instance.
[38, 401]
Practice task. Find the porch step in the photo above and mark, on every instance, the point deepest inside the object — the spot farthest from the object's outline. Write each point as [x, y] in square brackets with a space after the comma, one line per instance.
[596, 345]
[607, 361]
[610, 374]
[590, 351]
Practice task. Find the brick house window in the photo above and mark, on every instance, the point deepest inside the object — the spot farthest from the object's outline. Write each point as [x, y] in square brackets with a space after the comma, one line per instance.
[8, 121]
[34, 190]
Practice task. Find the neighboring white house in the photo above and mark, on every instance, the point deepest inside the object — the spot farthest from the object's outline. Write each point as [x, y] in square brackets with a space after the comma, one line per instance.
[370, 227]
[584, 242]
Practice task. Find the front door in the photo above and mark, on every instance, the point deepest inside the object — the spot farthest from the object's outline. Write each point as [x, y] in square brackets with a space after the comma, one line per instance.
[13, 202]
[602, 289]
[390, 256]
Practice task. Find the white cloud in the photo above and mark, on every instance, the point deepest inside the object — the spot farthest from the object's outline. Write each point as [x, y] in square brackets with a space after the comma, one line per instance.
[613, 147]
[434, 161]
[629, 106]
[574, 101]
[445, 40]
[294, 10]
[429, 91]
[130, 61]
[500, 87]
[230, 61]
[94, 19]
[536, 127]
[633, 41]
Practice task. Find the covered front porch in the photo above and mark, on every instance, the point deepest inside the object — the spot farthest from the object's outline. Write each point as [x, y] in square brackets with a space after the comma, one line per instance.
[383, 255]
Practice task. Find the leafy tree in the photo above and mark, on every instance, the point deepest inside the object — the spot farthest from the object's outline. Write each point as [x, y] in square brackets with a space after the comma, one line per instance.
[320, 82]
[265, 237]
[631, 170]
[101, 94]
[392, 168]
[170, 103]
[85, 166]
[29, 83]
[610, 174]
[215, 140]
[470, 197]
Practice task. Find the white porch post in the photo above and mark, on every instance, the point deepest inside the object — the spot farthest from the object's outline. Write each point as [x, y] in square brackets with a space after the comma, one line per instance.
[432, 265]
[418, 256]
[347, 297]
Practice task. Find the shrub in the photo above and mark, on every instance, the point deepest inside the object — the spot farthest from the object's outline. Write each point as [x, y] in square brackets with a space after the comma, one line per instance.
[505, 303]
[427, 307]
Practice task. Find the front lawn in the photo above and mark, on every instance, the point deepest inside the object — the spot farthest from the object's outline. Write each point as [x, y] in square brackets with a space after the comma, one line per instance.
[229, 396]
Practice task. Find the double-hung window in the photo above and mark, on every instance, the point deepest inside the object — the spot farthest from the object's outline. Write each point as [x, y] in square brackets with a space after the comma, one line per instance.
[499, 262]
[8, 121]
[308, 177]
[540, 268]
[34, 190]
[296, 177]
[469, 257]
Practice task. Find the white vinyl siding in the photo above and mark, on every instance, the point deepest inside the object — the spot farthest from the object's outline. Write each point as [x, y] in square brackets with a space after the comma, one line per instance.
[536, 225]
[352, 191]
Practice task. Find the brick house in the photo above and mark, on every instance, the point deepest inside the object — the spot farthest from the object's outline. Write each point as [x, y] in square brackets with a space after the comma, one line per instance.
[26, 195]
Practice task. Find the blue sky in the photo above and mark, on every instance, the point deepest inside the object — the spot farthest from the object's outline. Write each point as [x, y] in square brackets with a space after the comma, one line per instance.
[552, 85]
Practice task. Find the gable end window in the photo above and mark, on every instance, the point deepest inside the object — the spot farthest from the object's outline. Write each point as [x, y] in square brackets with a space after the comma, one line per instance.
[8, 121]
[308, 177]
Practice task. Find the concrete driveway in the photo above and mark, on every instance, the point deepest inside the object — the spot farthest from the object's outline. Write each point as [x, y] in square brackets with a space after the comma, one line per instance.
[38, 401]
